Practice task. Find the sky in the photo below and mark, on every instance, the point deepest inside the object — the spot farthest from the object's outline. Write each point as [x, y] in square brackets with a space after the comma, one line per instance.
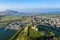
[29, 4]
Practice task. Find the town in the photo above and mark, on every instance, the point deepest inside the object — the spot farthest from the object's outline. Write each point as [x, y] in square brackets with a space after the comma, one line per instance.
[32, 27]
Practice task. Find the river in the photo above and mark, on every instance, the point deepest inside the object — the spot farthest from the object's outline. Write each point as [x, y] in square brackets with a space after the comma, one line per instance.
[6, 34]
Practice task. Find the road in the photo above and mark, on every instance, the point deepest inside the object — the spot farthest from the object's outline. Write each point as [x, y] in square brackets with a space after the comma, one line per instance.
[23, 33]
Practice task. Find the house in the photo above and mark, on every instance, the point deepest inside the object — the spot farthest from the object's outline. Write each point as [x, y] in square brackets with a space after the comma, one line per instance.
[35, 28]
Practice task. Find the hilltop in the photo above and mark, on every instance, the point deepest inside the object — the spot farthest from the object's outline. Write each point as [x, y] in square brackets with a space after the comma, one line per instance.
[29, 12]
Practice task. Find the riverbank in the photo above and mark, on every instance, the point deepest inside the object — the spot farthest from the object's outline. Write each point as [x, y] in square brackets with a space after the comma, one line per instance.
[6, 35]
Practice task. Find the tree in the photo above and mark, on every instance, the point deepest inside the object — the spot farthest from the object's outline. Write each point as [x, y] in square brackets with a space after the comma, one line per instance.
[52, 34]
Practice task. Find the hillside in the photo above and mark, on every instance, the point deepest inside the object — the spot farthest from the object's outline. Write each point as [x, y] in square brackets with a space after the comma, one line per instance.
[29, 12]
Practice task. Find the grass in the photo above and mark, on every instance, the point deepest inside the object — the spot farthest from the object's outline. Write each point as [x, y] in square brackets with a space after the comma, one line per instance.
[14, 35]
[36, 34]
[4, 22]
[8, 18]
[46, 29]
[12, 18]
[23, 38]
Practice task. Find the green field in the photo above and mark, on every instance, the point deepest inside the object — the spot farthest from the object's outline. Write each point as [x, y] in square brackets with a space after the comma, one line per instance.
[49, 29]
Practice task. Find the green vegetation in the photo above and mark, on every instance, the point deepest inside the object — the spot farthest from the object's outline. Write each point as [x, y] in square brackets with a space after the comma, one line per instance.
[49, 29]
[8, 18]
[43, 32]
[12, 18]
[23, 38]
[27, 19]
[4, 22]
[39, 35]
[36, 34]
[13, 37]
[50, 15]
